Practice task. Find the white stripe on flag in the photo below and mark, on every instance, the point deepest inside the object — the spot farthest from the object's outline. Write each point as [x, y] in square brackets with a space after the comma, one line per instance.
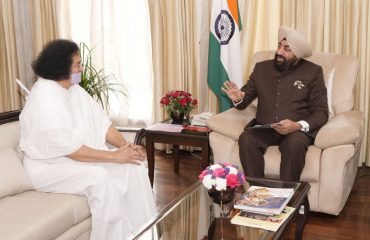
[230, 53]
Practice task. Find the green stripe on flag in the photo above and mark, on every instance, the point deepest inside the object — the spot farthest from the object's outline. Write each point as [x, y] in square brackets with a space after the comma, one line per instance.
[217, 74]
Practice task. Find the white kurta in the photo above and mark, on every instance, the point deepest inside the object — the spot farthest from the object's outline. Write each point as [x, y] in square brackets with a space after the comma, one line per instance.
[56, 122]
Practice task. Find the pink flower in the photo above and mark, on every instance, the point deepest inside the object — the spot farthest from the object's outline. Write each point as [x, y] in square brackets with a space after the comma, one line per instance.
[194, 102]
[232, 181]
[219, 172]
[203, 174]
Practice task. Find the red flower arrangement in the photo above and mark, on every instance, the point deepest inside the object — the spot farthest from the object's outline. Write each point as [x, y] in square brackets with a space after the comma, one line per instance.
[178, 101]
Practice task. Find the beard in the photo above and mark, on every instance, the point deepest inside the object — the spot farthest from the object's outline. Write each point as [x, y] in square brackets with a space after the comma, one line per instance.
[282, 64]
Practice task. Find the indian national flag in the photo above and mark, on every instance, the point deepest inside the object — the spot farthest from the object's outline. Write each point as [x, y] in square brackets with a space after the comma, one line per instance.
[224, 61]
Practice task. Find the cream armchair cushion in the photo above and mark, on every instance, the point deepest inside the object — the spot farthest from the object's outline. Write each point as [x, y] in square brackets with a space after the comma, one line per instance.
[331, 163]
[13, 177]
[344, 128]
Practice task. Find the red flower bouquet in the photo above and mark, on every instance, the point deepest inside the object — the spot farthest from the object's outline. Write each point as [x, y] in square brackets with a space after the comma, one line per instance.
[179, 102]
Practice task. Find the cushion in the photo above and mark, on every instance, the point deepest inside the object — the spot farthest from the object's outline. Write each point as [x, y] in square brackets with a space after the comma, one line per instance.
[10, 132]
[13, 177]
[344, 128]
[231, 123]
[329, 87]
[37, 215]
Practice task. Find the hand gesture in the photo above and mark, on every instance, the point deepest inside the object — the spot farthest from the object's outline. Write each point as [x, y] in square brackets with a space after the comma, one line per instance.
[286, 126]
[129, 153]
[140, 149]
[232, 91]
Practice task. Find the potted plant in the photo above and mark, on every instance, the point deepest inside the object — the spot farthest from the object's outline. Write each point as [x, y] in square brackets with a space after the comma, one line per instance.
[95, 81]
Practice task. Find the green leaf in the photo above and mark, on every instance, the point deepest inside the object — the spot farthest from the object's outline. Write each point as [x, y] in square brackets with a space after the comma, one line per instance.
[96, 82]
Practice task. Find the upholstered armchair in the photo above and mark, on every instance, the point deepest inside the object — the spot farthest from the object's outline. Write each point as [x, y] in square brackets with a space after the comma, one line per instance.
[331, 163]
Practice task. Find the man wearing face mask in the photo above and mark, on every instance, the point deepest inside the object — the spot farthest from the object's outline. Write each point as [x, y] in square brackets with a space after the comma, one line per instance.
[292, 97]
[64, 132]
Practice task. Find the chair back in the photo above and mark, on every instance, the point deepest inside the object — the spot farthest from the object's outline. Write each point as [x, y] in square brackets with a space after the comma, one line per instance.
[340, 74]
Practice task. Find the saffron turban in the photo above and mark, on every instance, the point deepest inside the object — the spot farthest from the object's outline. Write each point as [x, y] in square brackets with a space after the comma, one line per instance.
[296, 40]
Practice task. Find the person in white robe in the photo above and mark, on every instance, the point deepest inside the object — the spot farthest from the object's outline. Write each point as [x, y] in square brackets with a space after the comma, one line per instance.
[64, 135]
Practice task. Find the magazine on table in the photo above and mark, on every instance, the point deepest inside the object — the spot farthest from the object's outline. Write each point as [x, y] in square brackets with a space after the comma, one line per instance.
[271, 223]
[264, 200]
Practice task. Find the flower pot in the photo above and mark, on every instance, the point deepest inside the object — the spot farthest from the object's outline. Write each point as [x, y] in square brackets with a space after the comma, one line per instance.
[177, 117]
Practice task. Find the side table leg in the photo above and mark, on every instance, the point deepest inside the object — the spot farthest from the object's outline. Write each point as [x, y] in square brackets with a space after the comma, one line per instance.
[302, 218]
[176, 158]
[205, 155]
[150, 158]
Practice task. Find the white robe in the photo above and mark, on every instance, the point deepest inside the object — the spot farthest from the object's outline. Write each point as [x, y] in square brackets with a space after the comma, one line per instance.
[56, 122]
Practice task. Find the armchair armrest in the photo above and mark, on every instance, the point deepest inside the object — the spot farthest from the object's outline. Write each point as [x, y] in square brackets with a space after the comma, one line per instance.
[231, 123]
[344, 128]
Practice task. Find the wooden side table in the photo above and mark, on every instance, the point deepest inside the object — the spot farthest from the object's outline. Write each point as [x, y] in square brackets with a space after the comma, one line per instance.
[175, 139]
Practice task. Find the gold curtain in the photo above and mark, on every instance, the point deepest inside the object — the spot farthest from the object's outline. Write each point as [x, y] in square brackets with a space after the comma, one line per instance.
[44, 23]
[175, 49]
[10, 98]
[14, 45]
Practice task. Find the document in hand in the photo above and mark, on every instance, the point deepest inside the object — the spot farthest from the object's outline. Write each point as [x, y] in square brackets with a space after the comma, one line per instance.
[271, 223]
[257, 126]
[264, 200]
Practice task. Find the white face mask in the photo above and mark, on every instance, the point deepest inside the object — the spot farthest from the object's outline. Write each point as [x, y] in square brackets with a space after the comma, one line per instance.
[76, 78]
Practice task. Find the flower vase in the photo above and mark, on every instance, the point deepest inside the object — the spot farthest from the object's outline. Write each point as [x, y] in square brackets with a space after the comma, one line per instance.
[222, 198]
[177, 117]
[186, 120]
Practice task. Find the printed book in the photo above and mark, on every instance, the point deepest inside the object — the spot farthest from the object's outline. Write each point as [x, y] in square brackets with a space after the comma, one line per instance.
[264, 200]
[271, 223]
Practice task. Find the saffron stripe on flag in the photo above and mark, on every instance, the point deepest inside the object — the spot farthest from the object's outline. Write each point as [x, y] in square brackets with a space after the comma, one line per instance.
[233, 6]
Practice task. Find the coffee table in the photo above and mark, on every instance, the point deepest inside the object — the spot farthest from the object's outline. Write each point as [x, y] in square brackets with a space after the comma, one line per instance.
[192, 215]
[176, 139]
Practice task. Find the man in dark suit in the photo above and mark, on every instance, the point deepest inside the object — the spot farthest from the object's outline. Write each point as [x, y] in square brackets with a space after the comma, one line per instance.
[292, 98]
